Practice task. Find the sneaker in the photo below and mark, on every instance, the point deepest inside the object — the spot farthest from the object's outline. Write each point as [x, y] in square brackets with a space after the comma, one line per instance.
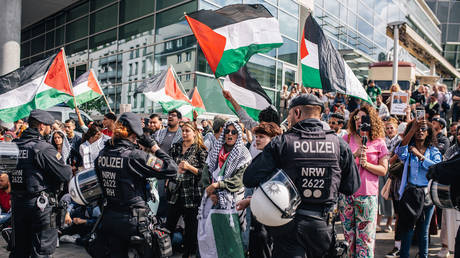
[393, 253]
[387, 229]
[444, 252]
[67, 239]
[378, 229]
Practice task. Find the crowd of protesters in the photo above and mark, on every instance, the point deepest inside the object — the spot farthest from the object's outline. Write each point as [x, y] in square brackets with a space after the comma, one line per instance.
[392, 164]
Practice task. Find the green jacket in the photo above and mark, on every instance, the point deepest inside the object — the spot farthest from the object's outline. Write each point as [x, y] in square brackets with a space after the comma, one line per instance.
[232, 184]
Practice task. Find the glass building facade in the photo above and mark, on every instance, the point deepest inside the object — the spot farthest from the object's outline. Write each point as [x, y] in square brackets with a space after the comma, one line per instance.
[448, 13]
[125, 42]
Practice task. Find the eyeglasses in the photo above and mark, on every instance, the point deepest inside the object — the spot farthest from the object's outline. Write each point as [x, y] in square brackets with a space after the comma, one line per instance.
[227, 131]
[357, 117]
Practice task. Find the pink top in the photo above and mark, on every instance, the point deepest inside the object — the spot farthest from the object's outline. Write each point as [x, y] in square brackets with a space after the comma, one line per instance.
[376, 150]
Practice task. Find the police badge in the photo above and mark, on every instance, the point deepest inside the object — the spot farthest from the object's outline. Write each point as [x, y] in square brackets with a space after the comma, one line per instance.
[154, 162]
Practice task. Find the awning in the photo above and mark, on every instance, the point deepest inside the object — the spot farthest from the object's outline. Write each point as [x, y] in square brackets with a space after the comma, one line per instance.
[420, 49]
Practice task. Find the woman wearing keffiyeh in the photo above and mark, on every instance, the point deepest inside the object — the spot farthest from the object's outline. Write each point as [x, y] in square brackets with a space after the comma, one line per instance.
[222, 179]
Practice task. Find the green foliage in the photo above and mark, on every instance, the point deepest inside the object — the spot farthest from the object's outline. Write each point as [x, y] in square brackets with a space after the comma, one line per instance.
[94, 105]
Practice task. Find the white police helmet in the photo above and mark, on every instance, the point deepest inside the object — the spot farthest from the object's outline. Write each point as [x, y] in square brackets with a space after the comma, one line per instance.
[275, 201]
[84, 187]
[443, 196]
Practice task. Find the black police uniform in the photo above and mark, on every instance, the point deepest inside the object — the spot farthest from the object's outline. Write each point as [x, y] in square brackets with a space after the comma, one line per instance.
[122, 170]
[40, 170]
[321, 165]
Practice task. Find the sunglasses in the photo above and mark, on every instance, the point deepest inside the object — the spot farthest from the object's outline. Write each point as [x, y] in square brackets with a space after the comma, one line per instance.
[357, 117]
[334, 122]
[227, 131]
[423, 129]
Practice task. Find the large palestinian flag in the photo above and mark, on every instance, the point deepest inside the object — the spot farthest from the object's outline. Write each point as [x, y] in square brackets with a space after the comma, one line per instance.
[230, 35]
[197, 101]
[40, 85]
[86, 88]
[247, 92]
[323, 67]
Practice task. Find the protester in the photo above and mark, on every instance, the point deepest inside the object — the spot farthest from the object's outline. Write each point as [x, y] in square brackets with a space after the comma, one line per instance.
[222, 180]
[284, 95]
[206, 126]
[217, 128]
[109, 124]
[452, 134]
[166, 137]
[5, 200]
[419, 96]
[418, 152]
[75, 141]
[184, 192]
[336, 122]
[358, 212]
[456, 104]
[155, 122]
[93, 142]
[381, 107]
[433, 107]
[62, 145]
[450, 223]
[442, 141]
[373, 90]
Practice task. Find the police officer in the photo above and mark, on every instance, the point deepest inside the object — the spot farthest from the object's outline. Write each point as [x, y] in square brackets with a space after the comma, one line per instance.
[321, 165]
[40, 174]
[122, 170]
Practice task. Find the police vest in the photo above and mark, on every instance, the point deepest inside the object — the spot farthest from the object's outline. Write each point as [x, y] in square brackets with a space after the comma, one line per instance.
[28, 178]
[122, 186]
[311, 160]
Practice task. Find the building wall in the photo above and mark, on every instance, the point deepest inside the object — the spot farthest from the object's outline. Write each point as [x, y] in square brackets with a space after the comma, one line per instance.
[448, 13]
[125, 42]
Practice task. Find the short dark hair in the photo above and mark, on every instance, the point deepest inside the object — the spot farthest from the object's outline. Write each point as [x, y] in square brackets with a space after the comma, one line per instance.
[178, 113]
[339, 116]
[92, 131]
[269, 115]
[70, 121]
[152, 116]
[33, 123]
[111, 116]
[147, 130]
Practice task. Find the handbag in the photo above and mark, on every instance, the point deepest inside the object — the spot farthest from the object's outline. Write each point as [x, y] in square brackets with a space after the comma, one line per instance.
[396, 169]
[386, 190]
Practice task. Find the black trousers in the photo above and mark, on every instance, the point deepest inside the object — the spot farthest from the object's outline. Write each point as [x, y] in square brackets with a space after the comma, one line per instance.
[34, 234]
[191, 224]
[260, 241]
[113, 238]
[457, 244]
[303, 236]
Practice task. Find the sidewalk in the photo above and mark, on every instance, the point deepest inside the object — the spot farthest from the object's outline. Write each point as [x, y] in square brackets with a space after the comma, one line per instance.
[383, 245]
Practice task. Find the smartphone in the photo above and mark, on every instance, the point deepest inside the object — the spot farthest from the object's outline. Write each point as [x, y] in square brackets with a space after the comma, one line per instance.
[420, 114]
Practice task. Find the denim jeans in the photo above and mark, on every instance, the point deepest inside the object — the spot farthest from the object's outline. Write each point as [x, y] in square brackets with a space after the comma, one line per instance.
[423, 225]
[4, 217]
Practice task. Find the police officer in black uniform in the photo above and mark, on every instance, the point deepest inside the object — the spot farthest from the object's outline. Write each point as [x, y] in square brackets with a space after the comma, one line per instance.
[321, 165]
[122, 170]
[41, 173]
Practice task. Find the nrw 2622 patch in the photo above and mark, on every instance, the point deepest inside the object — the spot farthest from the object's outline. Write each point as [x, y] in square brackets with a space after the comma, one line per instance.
[154, 162]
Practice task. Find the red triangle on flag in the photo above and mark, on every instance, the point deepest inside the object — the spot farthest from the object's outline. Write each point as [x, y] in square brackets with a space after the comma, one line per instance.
[172, 89]
[57, 76]
[197, 101]
[303, 47]
[212, 44]
[92, 83]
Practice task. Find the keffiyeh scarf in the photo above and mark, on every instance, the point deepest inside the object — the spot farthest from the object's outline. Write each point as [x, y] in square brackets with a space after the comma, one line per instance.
[65, 152]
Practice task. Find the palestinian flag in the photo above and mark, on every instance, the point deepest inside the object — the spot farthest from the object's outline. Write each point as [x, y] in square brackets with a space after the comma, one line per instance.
[86, 88]
[230, 35]
[323, 67]
[197, 102]
[247, 92]
[163, 88]
[40, 85]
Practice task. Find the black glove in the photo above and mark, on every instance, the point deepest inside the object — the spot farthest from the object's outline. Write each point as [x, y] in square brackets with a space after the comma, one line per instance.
[432, 173]
[146, 141]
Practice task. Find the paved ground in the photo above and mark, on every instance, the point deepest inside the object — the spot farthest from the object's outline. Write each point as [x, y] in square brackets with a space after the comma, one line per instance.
[384, 244]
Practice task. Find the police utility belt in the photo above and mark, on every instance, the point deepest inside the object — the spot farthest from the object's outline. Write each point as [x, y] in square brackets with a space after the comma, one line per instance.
[43, 199]
[326, 215]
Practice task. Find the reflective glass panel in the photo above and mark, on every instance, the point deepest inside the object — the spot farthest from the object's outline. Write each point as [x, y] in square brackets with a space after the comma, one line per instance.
[96, 4]
[78, 11]
[171, 23]
[288, 51]
[104, 19]
[77, 29]
[38, 45]
[105, 39]
[59, 36]
[25, 49]
[79, 46]
[38, 29]
[50, 40]
[263, 70]
[288, 25]
[135, 8]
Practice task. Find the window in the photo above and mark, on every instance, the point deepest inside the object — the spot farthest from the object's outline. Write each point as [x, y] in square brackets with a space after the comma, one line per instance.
[130, 70]
[188, 56]
[288, 51]
[188, 76]
[179, 58]
[104, 19]
[103, 38]
[77, 29]
[135, 8]
[77, 11]
[171, 23]
[169, 45]
[289, 25]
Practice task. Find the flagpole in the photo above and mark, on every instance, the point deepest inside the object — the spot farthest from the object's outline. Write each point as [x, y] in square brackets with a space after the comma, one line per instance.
[103, 94]
[220, 83]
